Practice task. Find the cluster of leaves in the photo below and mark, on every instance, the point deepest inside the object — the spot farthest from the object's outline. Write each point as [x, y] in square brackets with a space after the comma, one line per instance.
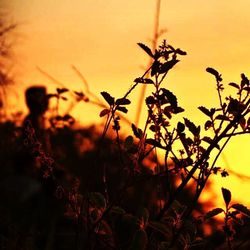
[194, 163]
[163, 215]
[233, 214]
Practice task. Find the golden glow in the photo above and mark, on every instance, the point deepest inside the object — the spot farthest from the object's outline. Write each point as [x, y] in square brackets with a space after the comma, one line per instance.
[100, 37]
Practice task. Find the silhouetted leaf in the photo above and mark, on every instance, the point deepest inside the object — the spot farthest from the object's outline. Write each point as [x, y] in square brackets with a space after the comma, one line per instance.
[180, 52]
[222, 117]
[150, 100]
[61, 90]
[144, 80]
[235, 85]
[64, 98]
[79, 94]
[146, 49]
[215, 73]
[108, 98]
[226, 195]
[148, 81]
[69, 118]
[129, 141]
[244, 80]
[155, 68]
[180, 127]
[170, 97]
[122, 101]
[224, 173]
[139, 241]
[104, 112]
[167, 66]
[192, 128]
[233, 106]
[247, 88]
[213, 213]
[122, 109]
[242, 209]
[205, 111]
[208, 125]
[167, 111]
[178, 110]
[137, 131]
[153, 128]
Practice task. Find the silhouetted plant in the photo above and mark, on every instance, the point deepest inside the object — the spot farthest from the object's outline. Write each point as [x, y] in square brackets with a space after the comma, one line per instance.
[117, 193]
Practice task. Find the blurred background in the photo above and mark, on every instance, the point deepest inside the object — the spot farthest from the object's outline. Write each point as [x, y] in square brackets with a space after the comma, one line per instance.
[99, 38]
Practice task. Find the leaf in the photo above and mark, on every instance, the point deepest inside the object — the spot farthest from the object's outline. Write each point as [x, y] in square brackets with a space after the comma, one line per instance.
[205, 111]
[170, 97]
[210, 141]
[144, 80]
[139, 241]
[97, 200]
[137, 131]
[180, 52]
[233, 106]
[155, 67]
[64, 98]
[192, 128]
[79, 94]
[61, 90]
[226, 195]
[167, 66]
[235, 85]
[129, 141]
[122, 109]
[69, 118]
[215, 73]
[150, 100]
[146, 49]
[242, 209]
[208, 125]
[213, 213]
[104, 112]
[122, 101]
[148, 81]
[180, 127]
[108, 98]
[222, 117]
[247, 89]
[244, 80]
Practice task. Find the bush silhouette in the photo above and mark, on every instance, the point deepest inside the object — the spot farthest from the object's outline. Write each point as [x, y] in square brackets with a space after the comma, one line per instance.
[87, 189]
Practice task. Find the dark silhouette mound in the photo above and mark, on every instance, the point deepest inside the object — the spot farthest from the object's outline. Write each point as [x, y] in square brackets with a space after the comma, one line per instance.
[48, 175]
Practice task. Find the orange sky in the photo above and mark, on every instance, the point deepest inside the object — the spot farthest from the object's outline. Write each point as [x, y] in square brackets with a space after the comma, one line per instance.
[99, 37]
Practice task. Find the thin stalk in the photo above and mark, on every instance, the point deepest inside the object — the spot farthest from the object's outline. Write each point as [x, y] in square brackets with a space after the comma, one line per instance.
[154, 45]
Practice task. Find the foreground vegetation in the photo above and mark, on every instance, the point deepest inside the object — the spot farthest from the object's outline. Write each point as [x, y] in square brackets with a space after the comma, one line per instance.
[84, 189]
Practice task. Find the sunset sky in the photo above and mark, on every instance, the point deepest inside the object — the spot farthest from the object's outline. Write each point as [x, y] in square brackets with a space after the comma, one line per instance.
[100, 38]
